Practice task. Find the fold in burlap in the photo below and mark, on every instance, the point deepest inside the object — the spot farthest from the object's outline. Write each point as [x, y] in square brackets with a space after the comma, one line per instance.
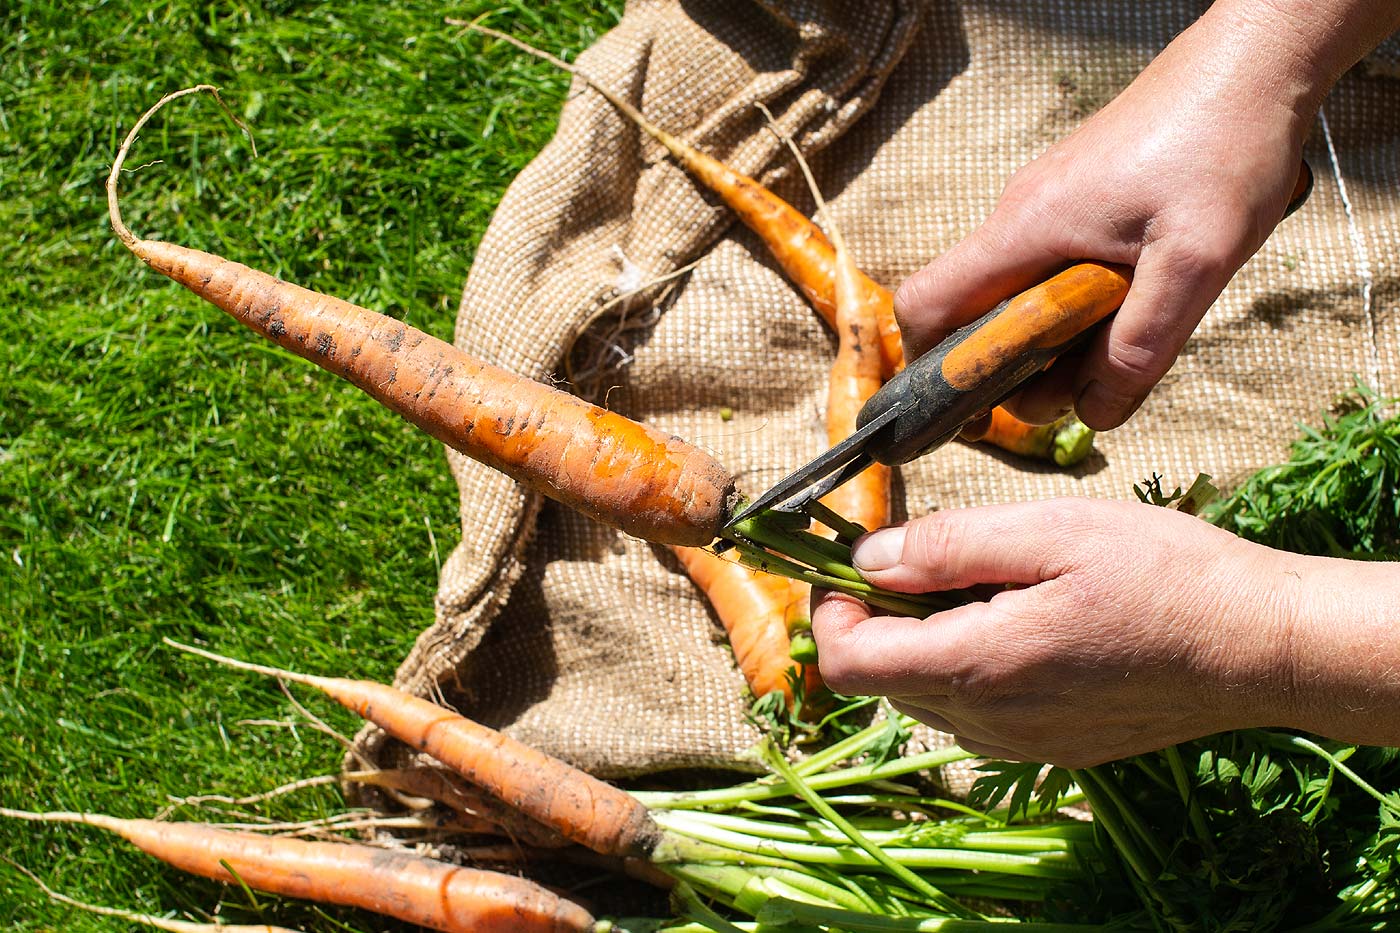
[594, 646]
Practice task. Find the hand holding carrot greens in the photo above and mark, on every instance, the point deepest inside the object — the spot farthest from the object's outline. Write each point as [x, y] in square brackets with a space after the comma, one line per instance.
[1128, 628]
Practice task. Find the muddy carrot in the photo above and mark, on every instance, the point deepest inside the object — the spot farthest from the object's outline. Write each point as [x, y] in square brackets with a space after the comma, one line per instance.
[628, 475]
[757, 611]
[575, 804]
[448, 790]
[433, 894]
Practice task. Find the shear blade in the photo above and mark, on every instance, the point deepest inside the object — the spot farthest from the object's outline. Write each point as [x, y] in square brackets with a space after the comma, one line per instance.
[820, 476]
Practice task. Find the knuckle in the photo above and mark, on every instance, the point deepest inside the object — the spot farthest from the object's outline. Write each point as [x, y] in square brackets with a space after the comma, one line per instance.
[914, 295]
[842, 664]
[1135, 360]
[837, 671]
[928, 543]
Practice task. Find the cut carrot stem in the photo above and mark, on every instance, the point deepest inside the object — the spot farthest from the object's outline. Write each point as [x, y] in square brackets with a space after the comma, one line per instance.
[846, 530]
[430, 893]
[1066, 441]
[634, 477]
[754, 609]
[769, 562]
[577, 805]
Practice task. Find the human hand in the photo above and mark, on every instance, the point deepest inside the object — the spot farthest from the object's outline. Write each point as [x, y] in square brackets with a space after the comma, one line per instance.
[1137, 627]
[1182, 176]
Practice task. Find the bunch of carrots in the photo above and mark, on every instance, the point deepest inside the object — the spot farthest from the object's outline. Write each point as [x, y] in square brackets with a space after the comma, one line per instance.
[650, 485]
[836, 842]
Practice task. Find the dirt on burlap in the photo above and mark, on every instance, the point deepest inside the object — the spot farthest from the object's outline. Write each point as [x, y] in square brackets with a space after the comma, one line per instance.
[594, 646]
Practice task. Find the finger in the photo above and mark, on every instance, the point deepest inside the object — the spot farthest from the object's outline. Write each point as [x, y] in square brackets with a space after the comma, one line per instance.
[837, 610]
[957, 548]
[926, 716]
[870, 655]
[980, 746]
[988, 749]
[994, 262]
[1168, 298]
[1047, 396]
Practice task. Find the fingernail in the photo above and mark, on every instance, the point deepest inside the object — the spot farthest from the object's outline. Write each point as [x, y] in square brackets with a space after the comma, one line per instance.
[880, 550]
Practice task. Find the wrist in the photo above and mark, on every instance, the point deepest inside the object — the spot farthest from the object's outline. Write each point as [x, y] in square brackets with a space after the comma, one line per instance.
[1342, 663]
[1293, 51]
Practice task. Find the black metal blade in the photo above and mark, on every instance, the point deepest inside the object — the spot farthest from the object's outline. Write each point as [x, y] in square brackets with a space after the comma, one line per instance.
[823, 474]
[818, 490]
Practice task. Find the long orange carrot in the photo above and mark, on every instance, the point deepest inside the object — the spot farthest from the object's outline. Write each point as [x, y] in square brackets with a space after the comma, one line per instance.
[756, 610]
[430, 893]
[575, 804]
[856, 373]
[799, 246]
[622, 473]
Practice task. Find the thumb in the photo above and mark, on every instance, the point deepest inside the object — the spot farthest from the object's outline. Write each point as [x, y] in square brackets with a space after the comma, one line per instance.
[1168, 298]
[1014, 543]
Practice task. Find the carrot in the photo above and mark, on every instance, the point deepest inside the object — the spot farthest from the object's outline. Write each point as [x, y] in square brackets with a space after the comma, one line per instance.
[433, 894]
[799, 246]
[575, 804]
[634, 477]
[856, 373]
[448, 790]
[1066, 440]
[759, 612]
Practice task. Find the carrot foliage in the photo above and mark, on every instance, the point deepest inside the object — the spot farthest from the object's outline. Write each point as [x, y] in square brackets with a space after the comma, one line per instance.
[1337, 493]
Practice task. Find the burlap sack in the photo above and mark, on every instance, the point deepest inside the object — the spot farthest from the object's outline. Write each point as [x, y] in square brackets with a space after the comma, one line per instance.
[594, 646]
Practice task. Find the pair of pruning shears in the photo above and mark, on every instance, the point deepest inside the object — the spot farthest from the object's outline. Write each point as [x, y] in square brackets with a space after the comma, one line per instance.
[977, 366]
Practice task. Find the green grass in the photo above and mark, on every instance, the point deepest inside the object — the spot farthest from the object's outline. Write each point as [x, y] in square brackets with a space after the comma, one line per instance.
[163, 473]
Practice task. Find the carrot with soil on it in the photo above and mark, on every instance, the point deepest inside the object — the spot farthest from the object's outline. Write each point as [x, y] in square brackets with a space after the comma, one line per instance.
[575, 804]
[760, 613]
[856, 372]
[432, 894]
[634, 477]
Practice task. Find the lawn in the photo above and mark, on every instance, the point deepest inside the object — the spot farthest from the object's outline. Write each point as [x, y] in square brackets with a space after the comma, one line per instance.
[161, 473]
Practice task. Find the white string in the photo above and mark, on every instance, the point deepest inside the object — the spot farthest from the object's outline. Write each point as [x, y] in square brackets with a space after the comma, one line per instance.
[1363, 260]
